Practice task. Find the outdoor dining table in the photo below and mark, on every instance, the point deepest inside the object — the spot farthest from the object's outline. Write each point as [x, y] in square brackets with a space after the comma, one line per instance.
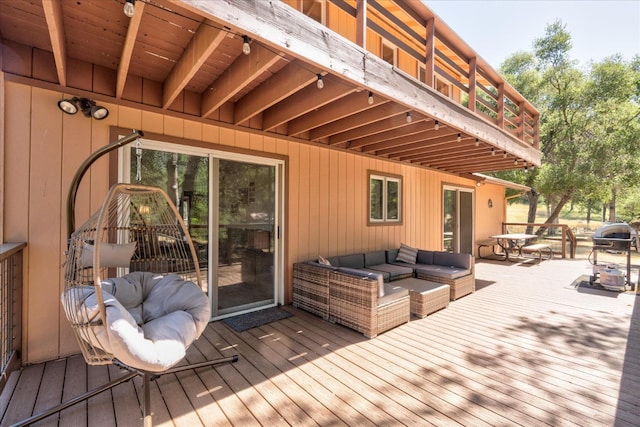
[513, 242]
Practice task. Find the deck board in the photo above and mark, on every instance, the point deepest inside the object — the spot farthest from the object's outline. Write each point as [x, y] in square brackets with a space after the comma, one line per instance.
[527, 348]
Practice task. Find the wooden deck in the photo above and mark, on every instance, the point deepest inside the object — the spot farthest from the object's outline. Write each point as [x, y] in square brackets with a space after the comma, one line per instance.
[528, 348]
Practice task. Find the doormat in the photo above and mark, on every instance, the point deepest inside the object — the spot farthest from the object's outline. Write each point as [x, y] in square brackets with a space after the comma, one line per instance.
[254, 319]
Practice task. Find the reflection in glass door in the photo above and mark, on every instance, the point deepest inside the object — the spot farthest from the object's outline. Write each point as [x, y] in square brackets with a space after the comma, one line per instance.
[229, 207]
[458, 220]
[246, 230]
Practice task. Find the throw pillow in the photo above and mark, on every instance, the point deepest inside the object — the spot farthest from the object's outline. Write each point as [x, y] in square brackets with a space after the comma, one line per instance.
[111, 254]
[407, 254]
[323, 260]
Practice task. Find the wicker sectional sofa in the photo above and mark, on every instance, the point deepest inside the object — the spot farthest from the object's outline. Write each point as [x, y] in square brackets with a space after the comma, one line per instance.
[373, 292]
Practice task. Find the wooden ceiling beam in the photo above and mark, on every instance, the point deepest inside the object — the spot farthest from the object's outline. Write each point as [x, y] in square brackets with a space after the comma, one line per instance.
[55, 24]
[243, 71]
[408, 131]
[349, 105]
[395, 123]
[308, 99]
[354, 121]
[127, 48]
[292, 78]
[205, 41]
[413, 144]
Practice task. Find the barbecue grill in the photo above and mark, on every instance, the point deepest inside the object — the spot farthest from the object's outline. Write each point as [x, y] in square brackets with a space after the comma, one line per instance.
[615, 237]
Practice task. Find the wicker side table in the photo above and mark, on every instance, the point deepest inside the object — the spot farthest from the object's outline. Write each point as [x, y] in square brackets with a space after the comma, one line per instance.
[425, 297]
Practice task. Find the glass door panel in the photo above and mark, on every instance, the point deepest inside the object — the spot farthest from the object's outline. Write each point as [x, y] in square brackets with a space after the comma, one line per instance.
[457, 230]
[449, 221]
[246, 231]
[185, 178]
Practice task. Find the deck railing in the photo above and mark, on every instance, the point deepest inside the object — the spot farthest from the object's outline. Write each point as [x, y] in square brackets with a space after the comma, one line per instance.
[11, 255]
[558, 236]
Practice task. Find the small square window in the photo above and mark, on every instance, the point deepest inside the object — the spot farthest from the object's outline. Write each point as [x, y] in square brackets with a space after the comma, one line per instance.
[389, 53]
[385, 199]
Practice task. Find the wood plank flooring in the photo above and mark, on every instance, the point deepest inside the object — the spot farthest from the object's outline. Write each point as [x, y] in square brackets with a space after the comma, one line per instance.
[527, 348]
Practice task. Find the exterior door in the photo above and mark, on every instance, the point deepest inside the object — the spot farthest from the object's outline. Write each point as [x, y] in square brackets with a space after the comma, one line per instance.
[458, 220]
[230, 206]
[246, 224]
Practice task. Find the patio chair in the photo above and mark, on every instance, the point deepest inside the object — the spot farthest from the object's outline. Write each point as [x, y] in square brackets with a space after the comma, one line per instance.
[133, 293]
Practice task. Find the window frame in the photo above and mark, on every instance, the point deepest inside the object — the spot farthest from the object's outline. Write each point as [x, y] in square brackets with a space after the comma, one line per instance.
[385, 178]
[386, 44]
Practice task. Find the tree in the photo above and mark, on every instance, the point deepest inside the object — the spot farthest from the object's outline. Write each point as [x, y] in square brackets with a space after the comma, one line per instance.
[589, 129]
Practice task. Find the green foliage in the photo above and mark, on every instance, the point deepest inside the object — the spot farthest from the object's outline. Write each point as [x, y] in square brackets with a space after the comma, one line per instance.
[589, 123]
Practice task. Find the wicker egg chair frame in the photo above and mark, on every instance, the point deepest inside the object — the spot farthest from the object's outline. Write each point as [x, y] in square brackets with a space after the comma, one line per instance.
[142, 221]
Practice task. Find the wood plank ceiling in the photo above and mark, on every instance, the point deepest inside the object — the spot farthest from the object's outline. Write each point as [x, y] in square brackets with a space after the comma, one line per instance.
[198, 67]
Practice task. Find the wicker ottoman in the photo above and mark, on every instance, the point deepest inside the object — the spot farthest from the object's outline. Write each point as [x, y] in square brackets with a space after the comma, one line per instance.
[425, 296]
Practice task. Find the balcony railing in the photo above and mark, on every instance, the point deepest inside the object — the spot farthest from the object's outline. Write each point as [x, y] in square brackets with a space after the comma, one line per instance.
[11, 255]
[443, 62]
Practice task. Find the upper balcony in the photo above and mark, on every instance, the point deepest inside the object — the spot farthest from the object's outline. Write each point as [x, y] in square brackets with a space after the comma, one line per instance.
[398, 83]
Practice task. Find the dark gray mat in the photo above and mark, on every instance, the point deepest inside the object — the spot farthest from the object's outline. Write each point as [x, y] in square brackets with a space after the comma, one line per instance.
[254, 319]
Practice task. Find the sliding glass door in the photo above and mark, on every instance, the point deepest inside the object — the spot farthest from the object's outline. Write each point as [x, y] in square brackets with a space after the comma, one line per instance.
[230, 204]
[246, 216]
[457, 220]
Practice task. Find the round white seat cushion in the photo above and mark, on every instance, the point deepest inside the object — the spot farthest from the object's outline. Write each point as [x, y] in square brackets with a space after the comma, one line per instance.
[151, 319]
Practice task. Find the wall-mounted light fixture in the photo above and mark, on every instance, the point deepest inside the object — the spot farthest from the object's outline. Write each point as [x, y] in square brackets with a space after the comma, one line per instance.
[129, 8]
[490, 203]
[459, 138]
[477, 142]
[370, 98]
[409, 118]
[87, 106]
[436, 126]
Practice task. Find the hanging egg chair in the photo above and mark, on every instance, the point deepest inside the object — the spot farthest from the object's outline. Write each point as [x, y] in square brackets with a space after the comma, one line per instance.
[133, 291]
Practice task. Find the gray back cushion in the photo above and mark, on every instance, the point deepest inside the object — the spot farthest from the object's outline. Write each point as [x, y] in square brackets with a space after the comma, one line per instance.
[452, 260]
[334, 260]
[375, 258]
[392, 254]
[352, 261]
[424, 257]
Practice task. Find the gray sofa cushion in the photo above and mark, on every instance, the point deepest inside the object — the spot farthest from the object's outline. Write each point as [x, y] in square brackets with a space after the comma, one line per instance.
[425, 257]
[391, 294]
[442, 271]
[351, 261]
[317, 264]
[452, 260]
[374, 258]
[395, 271]
[334, 260]
[373, 275]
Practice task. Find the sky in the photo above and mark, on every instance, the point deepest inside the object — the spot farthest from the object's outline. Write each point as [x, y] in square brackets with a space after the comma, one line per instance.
[496, 29]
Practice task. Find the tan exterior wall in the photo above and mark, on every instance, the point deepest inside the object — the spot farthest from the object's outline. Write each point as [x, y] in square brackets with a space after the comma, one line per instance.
[489, 219]
[326, 194]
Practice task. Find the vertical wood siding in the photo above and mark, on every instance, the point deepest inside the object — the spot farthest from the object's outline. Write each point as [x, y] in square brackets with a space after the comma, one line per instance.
[326, 197]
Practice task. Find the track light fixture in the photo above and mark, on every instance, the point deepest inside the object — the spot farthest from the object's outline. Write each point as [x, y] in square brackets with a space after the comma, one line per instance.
[436, 126]
[129, 8]
[320, 82]
[409, 118]
[459, 138]
[246, 47]
[370, 98]
[477, 142]
[87, 106]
